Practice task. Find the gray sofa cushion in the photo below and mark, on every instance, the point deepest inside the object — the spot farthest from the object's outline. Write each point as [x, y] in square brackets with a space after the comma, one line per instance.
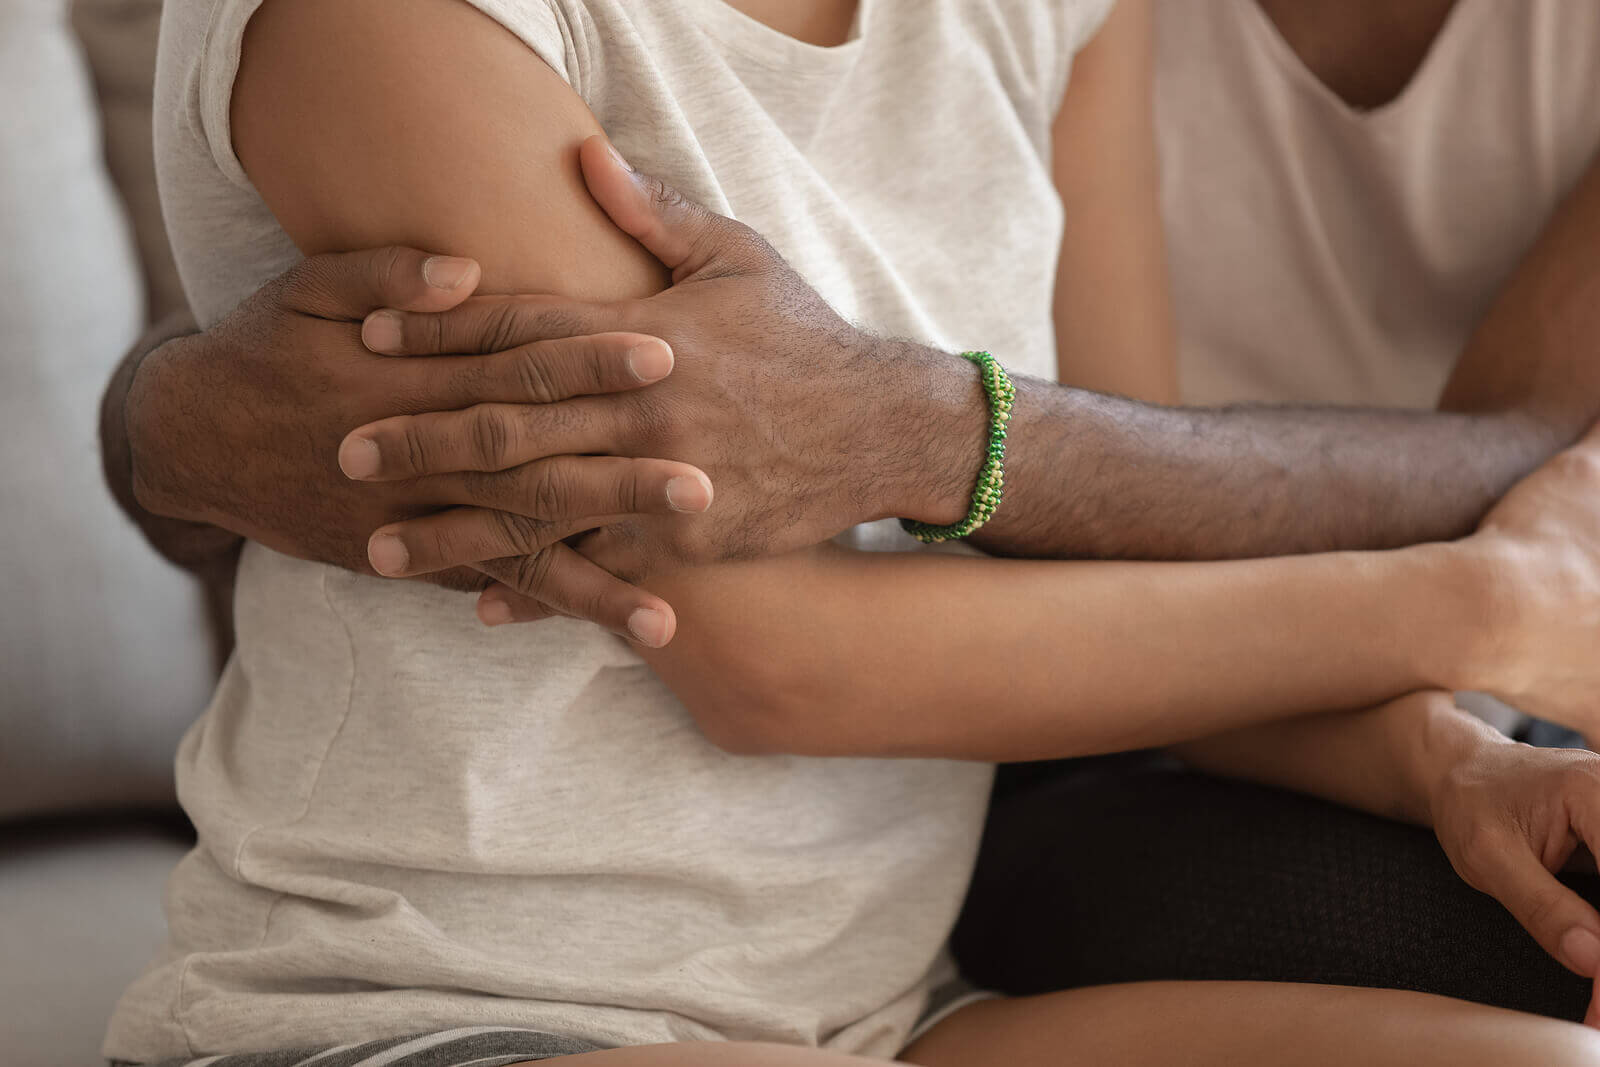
[80, 917]
[104, 658]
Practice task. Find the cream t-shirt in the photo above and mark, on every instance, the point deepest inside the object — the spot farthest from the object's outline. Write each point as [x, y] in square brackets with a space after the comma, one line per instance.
[407, 821]
[1323, 255]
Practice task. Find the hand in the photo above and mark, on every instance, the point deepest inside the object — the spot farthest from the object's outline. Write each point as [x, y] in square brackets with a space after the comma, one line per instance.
[239, 427]
[1509, 816]
[806, 425]
[1541, 548]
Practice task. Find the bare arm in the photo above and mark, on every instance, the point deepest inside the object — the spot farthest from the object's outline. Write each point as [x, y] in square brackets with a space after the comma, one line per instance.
[1097, 476]
[196, 546]
[1113, 310]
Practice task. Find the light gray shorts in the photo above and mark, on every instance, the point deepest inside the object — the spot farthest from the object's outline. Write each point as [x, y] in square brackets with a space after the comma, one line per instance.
[468, 1046]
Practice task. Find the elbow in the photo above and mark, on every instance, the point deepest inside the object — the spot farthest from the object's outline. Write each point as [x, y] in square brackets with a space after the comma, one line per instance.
[752, 709]
[745, 720]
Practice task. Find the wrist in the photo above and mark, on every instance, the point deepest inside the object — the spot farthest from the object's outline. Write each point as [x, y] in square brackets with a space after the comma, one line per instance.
[1441, 742]
[1452, 608]
[928, 448]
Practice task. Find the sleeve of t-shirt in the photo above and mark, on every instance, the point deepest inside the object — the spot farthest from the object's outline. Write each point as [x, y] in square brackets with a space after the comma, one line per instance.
[537, 23]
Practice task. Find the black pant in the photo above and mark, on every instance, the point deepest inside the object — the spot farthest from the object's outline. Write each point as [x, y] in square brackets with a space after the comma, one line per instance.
[1131, 868]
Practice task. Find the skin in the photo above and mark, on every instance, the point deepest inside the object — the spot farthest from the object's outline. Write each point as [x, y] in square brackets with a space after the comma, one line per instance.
[285, 80]
[1502, 364]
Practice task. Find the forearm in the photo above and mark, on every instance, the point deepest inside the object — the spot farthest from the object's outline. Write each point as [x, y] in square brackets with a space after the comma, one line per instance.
[924, 655]
[206, 550]
[1101, 477]
[1388, 760]
[1096, 476]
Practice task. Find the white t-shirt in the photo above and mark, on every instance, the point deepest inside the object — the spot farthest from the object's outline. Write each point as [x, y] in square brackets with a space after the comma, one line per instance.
[1324, 255]
[408, 821]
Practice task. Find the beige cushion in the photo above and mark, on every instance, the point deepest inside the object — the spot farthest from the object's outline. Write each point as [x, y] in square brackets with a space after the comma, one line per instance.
[80, 917]
[104, 658]
[119, 42]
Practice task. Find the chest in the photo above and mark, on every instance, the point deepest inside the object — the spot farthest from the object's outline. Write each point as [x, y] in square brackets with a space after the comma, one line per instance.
[1365, 51]
[903, 173]
[824, 23]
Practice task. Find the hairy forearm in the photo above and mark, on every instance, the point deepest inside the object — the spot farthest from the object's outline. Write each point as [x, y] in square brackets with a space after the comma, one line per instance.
[1388, 760]
[834, 653]
[1102, 477]
[206, 550]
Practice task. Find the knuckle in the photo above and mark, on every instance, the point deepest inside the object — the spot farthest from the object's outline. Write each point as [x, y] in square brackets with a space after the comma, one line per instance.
[490, 438]
[533, 377]
[505, 326]
[529, 574]
[549, 490]
[517, 535]
[415, 447]
[386, 266]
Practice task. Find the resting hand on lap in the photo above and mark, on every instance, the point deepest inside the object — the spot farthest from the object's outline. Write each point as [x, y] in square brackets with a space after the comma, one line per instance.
[1509, 816]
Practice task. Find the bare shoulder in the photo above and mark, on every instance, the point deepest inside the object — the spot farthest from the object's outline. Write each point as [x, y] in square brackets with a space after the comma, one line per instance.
[427, 123]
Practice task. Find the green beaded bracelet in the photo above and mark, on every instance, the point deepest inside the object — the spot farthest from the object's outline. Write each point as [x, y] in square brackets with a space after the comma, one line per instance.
[991, 477]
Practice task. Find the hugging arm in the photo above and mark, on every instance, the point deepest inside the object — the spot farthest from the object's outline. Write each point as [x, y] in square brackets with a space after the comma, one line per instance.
[1100, 476]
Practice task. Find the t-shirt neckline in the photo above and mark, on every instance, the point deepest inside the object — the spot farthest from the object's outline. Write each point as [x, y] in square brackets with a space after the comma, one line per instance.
[771, 47]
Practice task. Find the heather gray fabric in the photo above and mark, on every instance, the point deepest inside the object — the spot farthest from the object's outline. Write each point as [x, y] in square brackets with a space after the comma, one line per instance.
[408, 821]
[104, 658]
[472, 1046]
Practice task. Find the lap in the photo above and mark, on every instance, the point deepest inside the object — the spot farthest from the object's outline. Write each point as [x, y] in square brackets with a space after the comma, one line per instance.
[1128, 869]
[1242, 1024]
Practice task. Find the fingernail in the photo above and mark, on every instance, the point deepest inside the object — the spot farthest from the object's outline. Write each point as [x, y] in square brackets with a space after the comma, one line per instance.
[687, 492]
[650, 361]
[648, 627]
[359, 458]
[1581, 950]
[381, 332]
[618, 157]
[445, 272]
[387, 554]
[494, 612]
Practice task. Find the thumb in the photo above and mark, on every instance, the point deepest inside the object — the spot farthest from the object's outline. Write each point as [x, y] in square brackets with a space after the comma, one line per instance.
[682, 234]
[1559, 919]
[348, 285]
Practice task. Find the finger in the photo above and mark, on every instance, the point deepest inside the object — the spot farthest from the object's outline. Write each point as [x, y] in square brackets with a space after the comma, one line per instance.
[500, 604]
[484, 437]
[348, 285]
[572, 494]
[481, 325]
[1592, 1016]
[570, 584]
[682, 234]
[1560, 920]
[540, 373]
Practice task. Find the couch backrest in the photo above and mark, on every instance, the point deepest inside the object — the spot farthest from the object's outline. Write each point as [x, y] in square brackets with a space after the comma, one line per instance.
[104, 657]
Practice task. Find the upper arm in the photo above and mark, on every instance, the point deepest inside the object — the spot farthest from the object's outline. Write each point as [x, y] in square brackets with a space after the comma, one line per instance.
[1534, 352]
[425, 123]
[1113, 316]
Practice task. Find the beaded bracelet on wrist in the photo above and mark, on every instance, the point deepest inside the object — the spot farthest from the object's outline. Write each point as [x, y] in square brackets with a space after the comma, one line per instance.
[991, 478]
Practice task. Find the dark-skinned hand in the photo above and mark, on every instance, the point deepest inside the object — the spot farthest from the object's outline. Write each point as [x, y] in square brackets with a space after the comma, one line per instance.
[239, 427]
[806, 425]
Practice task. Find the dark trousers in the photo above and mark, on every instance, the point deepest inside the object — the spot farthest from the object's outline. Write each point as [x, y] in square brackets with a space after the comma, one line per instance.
[1132, 868]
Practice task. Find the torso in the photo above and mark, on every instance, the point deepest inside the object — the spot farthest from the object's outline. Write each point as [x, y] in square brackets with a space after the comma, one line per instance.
[1365, 51]
[407, 821]
[1346, 186]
